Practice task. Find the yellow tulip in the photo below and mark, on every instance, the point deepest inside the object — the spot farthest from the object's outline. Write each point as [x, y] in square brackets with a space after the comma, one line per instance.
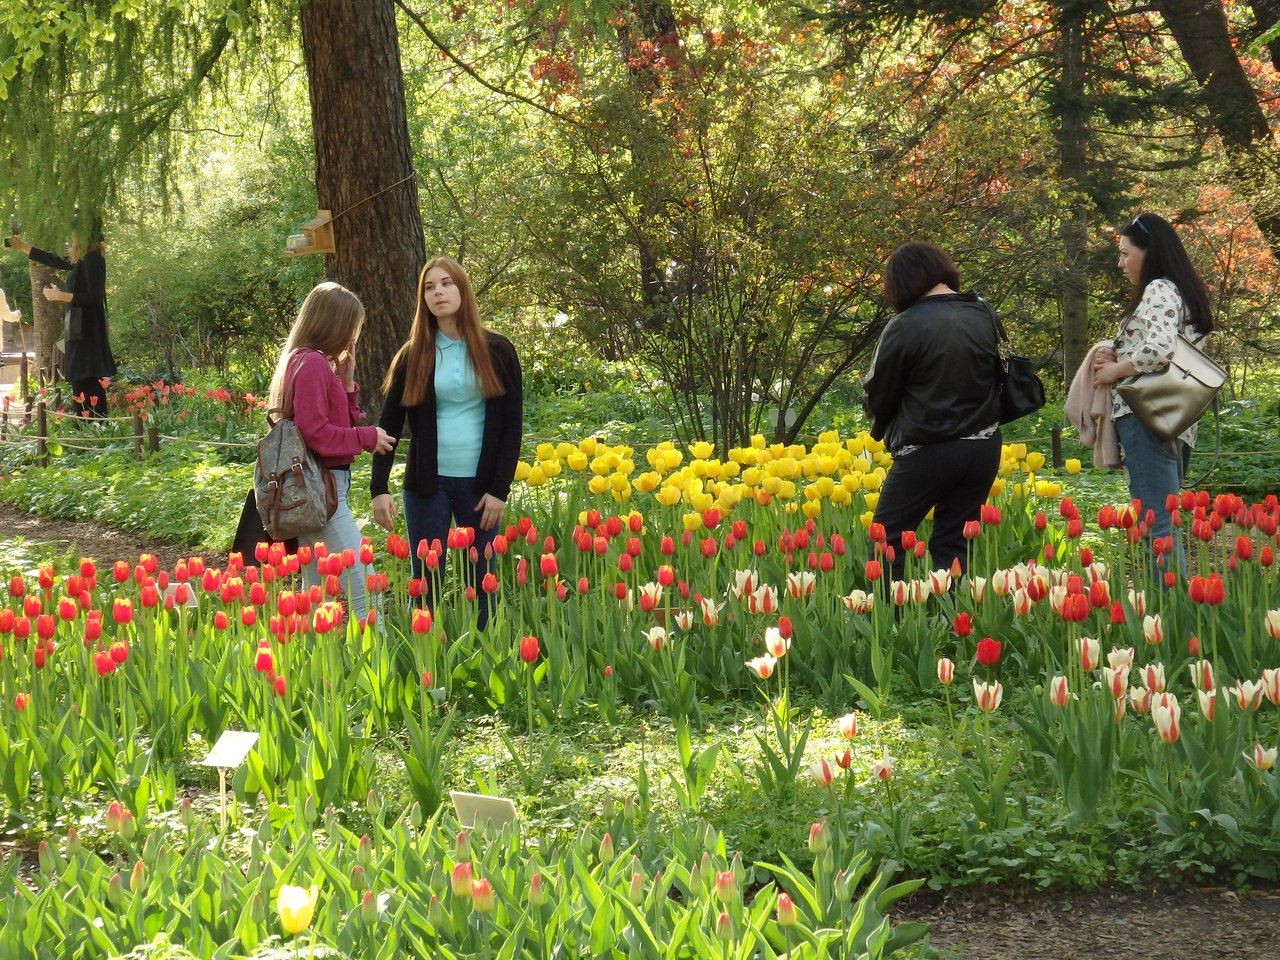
[1018, 451]
[852, 482]
[536, 477]
[647, 482]
[1035, 460]
[771, 485]
[550, 468]
[669, 495]
[873, 480]
[672, 458]
[522, 471]
[700, 501]
[840, 497]
[812, 508]
[824, 486]
[787, 490]
[729, 469]
[997, 487]
[577, 461]
[866, 517]
[588, 446]
[598, 484]
[295, 907]
[1073, 466]
[701, 449]
[692, 521]
[856, 445]
[565, 450]
[751, 476]
[619, 482]
[545, 451]
[871, 499]
[757, 441]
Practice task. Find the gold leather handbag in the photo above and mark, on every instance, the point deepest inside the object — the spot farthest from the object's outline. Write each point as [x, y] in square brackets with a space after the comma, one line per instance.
[1170, 400]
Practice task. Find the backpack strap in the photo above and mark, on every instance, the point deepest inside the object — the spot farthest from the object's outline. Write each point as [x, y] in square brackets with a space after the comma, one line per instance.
[286, 402]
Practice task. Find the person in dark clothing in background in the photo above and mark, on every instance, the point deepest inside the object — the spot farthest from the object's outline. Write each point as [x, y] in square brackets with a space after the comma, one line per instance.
[86, 359]
[932, 395]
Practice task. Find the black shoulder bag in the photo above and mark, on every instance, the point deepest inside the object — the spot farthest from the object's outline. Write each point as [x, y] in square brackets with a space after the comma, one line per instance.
[1021, 392]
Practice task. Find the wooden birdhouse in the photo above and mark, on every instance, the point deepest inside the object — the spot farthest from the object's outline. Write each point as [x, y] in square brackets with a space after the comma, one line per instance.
[314, 236]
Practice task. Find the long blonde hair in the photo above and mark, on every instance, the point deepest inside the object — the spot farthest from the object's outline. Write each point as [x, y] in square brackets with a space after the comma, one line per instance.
[329, 320]
[419, 352]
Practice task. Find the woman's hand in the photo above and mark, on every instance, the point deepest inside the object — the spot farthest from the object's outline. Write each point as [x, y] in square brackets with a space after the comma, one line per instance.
[384, 511]
[386, 442]
[1103, 355]
[52, 293]
[344, 365]
[490, 509]
[1108, 373]
[17, 243]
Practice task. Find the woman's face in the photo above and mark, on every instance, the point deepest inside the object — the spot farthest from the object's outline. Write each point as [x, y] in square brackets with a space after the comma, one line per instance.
[442, 295]
[1131, 258]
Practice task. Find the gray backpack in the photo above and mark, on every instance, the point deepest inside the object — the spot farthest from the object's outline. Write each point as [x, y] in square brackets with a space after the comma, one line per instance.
[295, 494]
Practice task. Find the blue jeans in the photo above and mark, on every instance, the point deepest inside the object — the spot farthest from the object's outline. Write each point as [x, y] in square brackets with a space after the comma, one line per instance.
[1155, 469]
[340, 534]
[429, 517]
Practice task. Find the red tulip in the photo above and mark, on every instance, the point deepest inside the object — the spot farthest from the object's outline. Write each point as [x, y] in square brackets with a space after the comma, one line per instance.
[528, 649]
[988, 651]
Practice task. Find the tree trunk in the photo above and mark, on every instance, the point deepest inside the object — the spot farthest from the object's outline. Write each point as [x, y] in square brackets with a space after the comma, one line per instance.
[1201, 31]
[364, 170]
[46, 319]
[1073, 120]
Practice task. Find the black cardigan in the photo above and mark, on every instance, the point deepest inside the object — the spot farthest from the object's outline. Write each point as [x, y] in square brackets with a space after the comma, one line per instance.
[499, 445]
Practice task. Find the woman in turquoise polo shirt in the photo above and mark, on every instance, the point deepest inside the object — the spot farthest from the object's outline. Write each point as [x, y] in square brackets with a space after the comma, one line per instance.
[458, 385]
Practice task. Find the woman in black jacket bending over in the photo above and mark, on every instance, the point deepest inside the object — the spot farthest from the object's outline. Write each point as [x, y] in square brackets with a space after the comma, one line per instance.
[87, 358]
[459, 386]
[933, 397]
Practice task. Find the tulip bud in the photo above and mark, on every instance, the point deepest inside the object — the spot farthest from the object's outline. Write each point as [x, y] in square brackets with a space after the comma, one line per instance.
[47, 858]
[138, 875]
[73, 844]
[115, 890]
[359, 879]
[537, 896]
[435, 912]
[309, 812]
[606, 849]
[724, 928]
[819, 839]
[369, 908]
[460, 880]
[635, 893]
[786, 911]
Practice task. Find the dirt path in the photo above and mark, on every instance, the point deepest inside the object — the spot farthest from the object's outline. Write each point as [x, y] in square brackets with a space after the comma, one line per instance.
[104, 544]
[1187, 924]
[975, 924]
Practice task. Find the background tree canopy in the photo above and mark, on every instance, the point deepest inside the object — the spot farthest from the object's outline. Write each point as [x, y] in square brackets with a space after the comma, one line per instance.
[705, 192]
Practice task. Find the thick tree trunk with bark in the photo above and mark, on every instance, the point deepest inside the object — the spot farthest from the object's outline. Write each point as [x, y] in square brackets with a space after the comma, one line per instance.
[46, 319]
[1073, 119]
[364, 169]
[1201, 31]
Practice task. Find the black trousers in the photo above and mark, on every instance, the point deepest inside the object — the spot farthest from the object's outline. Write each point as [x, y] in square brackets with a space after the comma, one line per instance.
[954, 478]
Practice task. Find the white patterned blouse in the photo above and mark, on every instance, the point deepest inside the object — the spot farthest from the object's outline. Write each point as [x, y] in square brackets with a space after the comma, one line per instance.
[1147, 336]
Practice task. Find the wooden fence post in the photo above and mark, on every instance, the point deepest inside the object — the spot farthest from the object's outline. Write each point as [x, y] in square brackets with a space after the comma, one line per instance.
[42, 435]
[1055, 438]
[137, 435]
[153, 439]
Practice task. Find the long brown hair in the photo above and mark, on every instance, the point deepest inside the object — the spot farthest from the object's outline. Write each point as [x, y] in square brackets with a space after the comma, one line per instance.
[328, 321]
[419, 352]
[1166, 258]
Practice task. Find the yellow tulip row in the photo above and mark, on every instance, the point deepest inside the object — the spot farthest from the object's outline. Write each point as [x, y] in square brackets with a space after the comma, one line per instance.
[833, 470]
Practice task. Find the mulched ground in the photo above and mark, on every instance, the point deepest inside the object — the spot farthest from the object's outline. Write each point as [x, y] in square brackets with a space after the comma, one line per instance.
[1184, 924]
[975, 924]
